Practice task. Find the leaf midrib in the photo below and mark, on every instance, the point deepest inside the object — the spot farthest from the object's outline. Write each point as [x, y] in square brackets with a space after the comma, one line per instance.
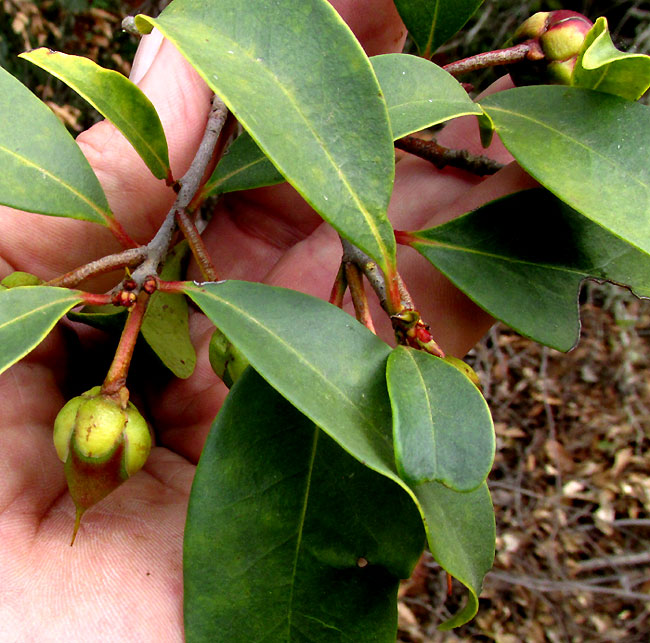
[571, 139]
[38, 309]
[328, 384]
[244, 54]
[489, 255]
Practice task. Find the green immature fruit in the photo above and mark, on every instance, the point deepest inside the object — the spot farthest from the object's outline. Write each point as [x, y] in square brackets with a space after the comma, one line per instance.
[556, 38]
[102, 442]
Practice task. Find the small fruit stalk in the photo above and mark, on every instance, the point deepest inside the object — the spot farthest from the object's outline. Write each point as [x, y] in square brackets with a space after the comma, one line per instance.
[100, 435]
[555, 39]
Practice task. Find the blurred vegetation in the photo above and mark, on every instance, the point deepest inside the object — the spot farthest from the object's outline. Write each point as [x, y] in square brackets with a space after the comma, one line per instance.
[90, 28]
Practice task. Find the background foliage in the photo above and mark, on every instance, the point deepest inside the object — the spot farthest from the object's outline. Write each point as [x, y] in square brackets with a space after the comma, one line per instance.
[570, 482]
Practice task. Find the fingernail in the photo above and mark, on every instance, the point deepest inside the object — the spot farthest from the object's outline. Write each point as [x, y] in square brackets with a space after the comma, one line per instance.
[145, 55]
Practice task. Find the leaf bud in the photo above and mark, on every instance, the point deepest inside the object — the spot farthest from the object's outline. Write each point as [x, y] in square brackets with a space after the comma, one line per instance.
[102, 442]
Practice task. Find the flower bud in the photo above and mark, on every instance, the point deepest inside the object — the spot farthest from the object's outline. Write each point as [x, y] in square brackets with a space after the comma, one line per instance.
[564, 35]
[102, 441]
[556, 38]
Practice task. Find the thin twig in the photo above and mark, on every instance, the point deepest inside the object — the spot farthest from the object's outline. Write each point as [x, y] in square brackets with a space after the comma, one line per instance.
[443, 157]
[116, 376]
[564, 587]
[159, 245]
[130, 257]
[623, 560]
[352, 254]
[494, 58]
[338, 288]
[354, 278]
[410, 329]
[197, 246]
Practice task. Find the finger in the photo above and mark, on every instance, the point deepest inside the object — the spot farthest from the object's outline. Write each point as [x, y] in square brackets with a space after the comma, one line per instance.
[375, 23]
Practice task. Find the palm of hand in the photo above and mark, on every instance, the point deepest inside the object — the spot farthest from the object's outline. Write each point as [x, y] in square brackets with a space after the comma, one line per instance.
[122, 580]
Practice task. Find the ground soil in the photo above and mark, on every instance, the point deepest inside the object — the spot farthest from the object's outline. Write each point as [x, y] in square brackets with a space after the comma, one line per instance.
[570, 485]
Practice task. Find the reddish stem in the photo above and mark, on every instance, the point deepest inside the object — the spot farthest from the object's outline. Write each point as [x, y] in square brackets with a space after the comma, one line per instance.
[338, 288]
[172, 287]
[91, 299]
[196, 245]
[121, 235]
[355, 282]
[116, 376]
[404, 238]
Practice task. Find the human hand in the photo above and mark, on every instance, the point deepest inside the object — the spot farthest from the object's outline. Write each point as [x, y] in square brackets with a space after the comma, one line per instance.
[123, 578]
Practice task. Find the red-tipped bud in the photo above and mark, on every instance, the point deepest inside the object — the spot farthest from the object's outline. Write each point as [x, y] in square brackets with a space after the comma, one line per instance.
[564, 37]
[555, 39]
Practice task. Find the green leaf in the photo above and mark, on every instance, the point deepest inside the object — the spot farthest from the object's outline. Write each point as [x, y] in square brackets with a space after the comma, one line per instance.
[430, 23]
[297, 79]
[524, 257]
[419, 94]
[332, 369]
[243, 167]
[588, 148]
[116, 98]
[442, 428]
[288, 538]
[109, 318]
[43, 169]
[601, 66]
[27, 315]
[461, 532]
[336, 377]
[166, 326]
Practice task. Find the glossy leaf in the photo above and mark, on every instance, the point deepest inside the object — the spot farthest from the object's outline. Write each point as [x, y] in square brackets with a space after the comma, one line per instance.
[333, 370]
[243, 167]
[288, 538]
[523, 258]
[116, 98]
[442, 428]
[430, 23]
[588, 148]
[603, 67]
[419, 94]
[336, 378]
[43, 169]
[166, 326]
[27, 315]
[461, 531]
[297, 79]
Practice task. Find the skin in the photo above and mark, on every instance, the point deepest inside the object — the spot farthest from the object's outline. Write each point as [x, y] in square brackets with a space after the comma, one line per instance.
[122, 581]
